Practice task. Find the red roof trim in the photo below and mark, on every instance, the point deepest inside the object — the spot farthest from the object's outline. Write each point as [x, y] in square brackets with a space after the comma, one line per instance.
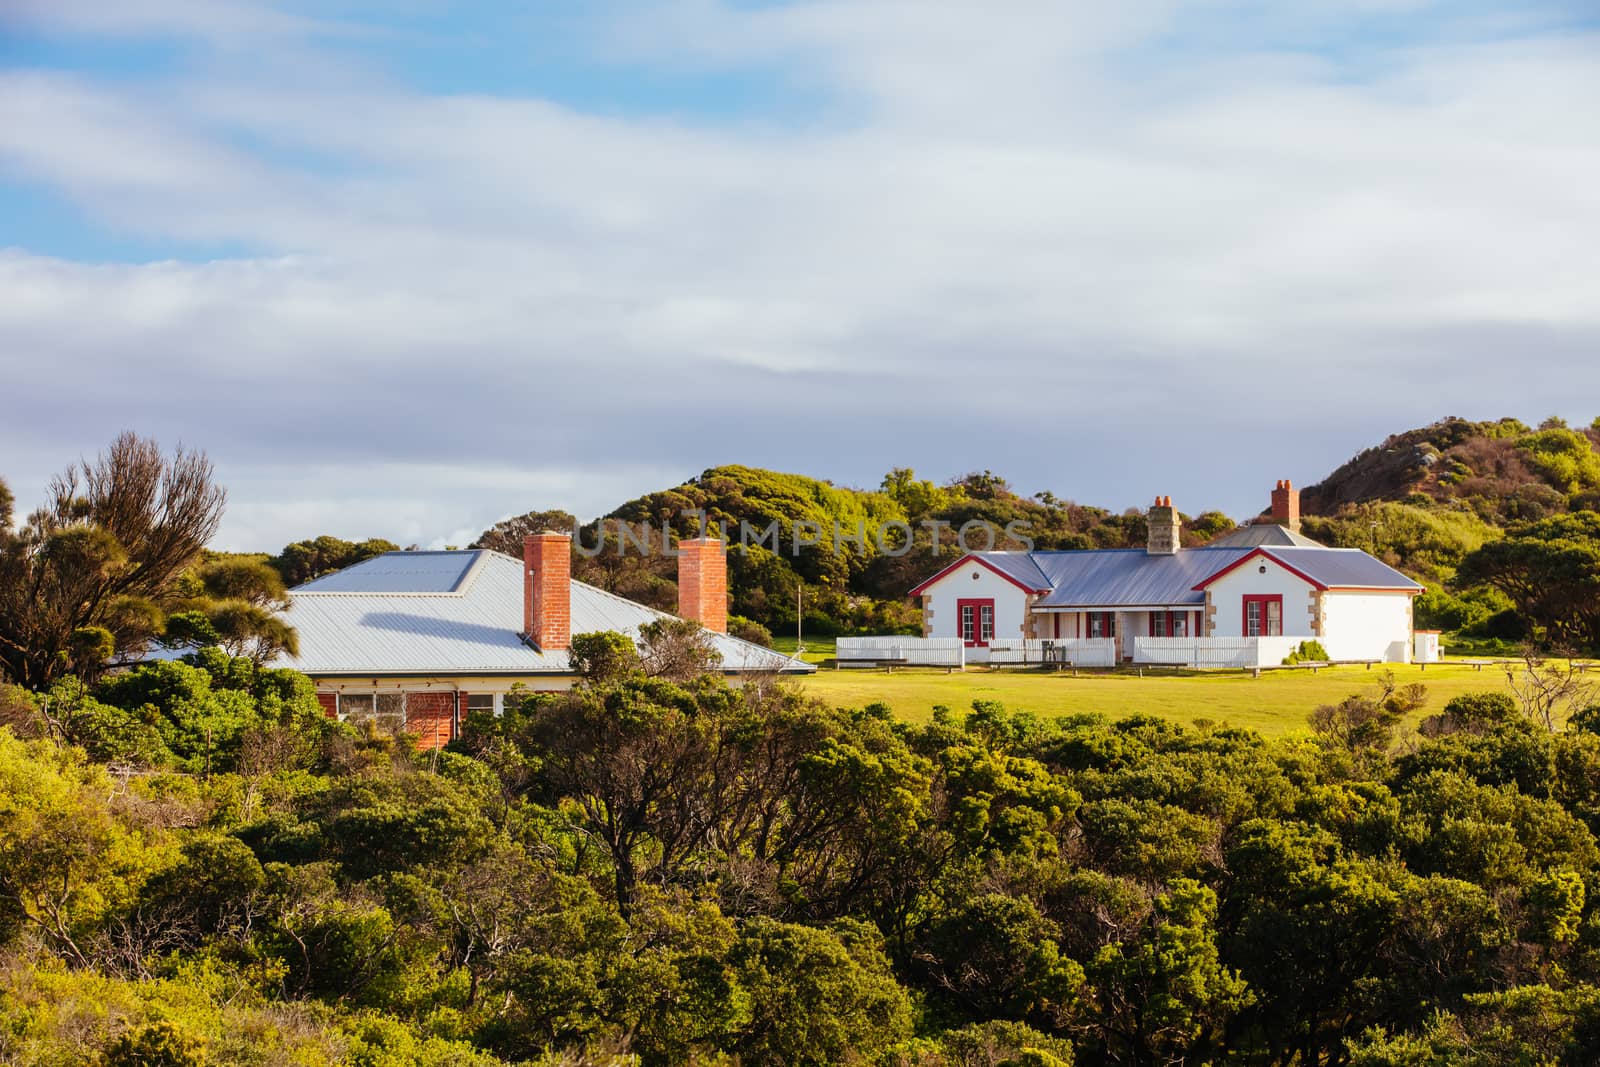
[975, 559]
[1259, 552]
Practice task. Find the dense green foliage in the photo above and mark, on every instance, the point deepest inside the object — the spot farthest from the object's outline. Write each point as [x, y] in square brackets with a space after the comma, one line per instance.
[197, 868]
[1550, 569]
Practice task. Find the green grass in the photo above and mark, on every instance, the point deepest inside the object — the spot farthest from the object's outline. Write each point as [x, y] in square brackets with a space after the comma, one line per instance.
[817, 648]
[1275, 704]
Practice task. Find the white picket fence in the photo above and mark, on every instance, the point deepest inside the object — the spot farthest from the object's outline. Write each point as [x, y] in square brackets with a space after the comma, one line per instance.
[1214, 651]
[1061, 651]
[951, 652]
[897, 651]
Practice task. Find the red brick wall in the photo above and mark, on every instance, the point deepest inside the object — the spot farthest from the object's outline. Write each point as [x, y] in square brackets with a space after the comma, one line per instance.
[547, 590]
[330, 704]
[431, 716]
[703, 582]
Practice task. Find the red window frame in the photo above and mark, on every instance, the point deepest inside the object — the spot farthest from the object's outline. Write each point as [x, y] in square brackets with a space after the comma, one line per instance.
[1107, 621]
[1165, 624]
[975, 621]
[1263, 602]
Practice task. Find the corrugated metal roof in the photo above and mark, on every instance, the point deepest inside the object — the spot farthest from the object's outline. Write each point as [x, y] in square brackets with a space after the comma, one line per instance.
[1265, 534]
[1129, 577]
[1347, 568]
[350, 629]
[399, 572]
[1019, 565]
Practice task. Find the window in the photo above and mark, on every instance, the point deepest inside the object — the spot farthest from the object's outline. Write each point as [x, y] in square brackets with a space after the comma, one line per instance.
[386, 710]
[1169, 624]
[975, 619]
[483, 703]
[1101, 623]
[1263, 616]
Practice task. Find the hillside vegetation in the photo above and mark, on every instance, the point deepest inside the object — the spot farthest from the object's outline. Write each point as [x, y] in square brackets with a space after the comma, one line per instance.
[862, 586]
[1423, 501]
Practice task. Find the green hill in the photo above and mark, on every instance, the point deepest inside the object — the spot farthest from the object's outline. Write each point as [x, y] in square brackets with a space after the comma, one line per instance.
[1421, 500]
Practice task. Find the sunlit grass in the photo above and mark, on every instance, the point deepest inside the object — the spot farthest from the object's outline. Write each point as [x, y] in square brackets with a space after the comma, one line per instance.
[1275, 704]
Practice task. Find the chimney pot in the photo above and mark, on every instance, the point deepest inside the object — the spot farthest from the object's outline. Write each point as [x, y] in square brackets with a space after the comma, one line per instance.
[703, 582]
[547, 590]
[1163, 528]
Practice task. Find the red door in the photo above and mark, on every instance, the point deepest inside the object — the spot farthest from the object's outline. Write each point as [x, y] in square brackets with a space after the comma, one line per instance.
[975, 622]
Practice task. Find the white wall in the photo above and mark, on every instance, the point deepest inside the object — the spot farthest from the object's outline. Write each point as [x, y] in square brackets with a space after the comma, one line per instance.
[973, 581]
[1229, 591]
[1372, 626]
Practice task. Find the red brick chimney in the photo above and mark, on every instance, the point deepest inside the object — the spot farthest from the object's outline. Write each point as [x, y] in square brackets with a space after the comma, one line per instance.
[1286, 505]
[703, 582]
[547, 590]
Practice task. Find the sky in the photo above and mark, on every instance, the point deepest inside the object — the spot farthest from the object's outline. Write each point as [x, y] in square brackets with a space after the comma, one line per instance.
[405, 268]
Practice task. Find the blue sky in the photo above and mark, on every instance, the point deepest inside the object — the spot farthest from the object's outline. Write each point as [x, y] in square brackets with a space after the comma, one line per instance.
[405, 268]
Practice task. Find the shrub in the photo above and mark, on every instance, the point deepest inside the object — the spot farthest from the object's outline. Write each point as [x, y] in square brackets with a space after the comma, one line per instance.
[749, 630]
[1307, 652]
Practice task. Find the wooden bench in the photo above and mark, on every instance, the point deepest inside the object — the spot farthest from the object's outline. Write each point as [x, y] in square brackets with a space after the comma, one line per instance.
[1476, 664]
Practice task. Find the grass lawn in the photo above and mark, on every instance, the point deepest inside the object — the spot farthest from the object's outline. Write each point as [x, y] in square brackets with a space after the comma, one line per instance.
[1277, 703]
[817, 648]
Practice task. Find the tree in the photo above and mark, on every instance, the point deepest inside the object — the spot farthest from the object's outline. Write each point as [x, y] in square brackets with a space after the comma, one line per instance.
[817, 997]
[302, 561]
[677, 649]
[104, 554]
[1164, 997]
[1548, 688]
[603, 657]
[233, 603]
[506, 535]
[1551, 571]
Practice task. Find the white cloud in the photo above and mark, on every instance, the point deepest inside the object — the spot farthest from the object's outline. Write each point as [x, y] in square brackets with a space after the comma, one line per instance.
[1002, 243]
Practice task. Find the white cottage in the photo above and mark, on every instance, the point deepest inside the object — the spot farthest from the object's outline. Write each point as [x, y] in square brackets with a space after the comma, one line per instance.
[1266, 586]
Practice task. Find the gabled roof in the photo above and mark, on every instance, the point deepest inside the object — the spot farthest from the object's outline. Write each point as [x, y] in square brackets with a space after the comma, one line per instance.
[1133, 578]
[1331, 568]
[440, 613]
[1017, 568]
[1264, 533]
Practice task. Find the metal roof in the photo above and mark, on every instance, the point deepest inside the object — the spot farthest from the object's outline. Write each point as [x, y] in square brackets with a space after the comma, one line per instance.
[1020, 566]
[1132, 577]
[400, 572]
[1343, 568]
[1129, 577]
[1264, 534]
[401, 618]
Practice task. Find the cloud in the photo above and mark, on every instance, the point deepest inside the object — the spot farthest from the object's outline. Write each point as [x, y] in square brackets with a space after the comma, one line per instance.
[1048, 242]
